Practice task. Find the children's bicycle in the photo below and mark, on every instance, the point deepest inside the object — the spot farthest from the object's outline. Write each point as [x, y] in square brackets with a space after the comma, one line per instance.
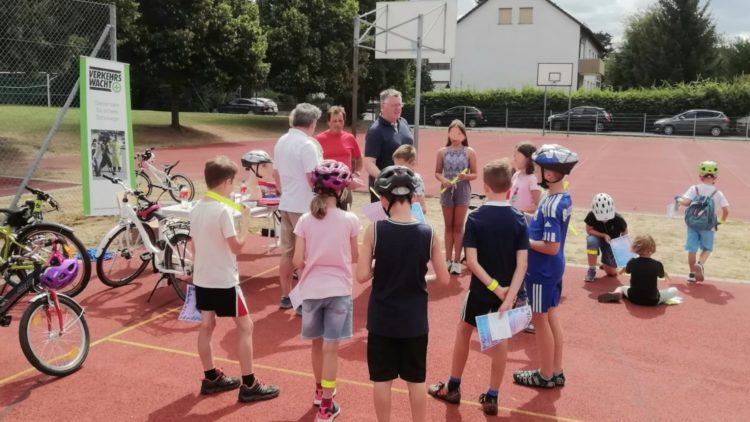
[146, 174]
[131, 244]
[53, 332]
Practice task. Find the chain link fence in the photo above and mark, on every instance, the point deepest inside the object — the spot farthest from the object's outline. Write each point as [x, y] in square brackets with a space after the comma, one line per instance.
[40, 45]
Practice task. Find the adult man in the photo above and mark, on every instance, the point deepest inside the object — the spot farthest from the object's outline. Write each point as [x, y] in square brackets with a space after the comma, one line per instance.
[385, 135]
[295, 156]
[340, 146]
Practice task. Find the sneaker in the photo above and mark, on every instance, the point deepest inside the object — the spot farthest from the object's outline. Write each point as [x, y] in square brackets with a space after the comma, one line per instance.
[530, 328]
[455, 268]
[318, 396]
[221, 383]
[532, 379]
[440, 391]
[608, 297]
[489, 404]
[590, 275]
[691, 278]
[559, 379]
[326, 414]
[258, 391]
[698, 270]
[285, 303]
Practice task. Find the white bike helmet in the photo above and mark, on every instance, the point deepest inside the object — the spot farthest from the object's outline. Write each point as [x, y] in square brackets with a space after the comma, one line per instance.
[603, 207]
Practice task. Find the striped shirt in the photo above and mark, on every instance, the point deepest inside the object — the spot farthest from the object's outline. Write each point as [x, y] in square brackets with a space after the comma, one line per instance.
[550, 224]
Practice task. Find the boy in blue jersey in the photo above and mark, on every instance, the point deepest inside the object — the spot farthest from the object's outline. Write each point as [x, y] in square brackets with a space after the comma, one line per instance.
[546, 266]
[496, 243]
[397, 327]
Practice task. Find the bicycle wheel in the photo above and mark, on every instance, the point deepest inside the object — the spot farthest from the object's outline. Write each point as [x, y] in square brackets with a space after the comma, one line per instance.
[179, 257]
[47, 348]
[143, 183]
[46, 237]
[175, 182]
[120, 261]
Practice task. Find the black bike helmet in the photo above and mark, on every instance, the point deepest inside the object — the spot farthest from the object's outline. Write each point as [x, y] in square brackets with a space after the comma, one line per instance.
[395, 182]
[556, 158]
[253, 160]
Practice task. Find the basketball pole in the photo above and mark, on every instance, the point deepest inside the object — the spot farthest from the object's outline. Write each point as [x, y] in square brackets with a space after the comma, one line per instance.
[544, 113]
[418, 88]
[570, 91]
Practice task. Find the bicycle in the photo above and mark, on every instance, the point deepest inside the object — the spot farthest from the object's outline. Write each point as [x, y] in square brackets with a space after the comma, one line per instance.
[25, 226]
[132, 245]
[53, 332]
[146, 172]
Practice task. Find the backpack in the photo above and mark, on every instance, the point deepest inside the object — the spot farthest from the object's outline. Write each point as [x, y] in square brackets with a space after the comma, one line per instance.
[701, 213]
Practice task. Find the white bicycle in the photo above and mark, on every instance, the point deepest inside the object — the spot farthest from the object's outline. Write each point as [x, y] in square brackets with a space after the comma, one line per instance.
[146, 174]
[131, 244]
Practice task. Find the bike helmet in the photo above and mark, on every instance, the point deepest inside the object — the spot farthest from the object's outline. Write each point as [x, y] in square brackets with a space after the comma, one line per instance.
[253, 160]
[330, 174]
[395, 182]
[603, 207]
[57, 277]
[556, 158]
[706, 168]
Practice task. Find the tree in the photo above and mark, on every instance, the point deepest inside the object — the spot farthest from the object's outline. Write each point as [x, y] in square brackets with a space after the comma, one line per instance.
[738, 58]
[605, 39]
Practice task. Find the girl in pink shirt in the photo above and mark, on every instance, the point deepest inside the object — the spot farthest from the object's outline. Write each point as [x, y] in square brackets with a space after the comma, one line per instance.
[325, 249]
[525, 192]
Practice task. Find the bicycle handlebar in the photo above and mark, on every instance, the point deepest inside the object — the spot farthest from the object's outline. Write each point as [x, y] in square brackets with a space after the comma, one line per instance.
[138, 194]
[44, 196]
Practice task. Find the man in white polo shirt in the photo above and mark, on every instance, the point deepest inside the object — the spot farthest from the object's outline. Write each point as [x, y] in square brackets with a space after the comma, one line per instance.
[295, 156]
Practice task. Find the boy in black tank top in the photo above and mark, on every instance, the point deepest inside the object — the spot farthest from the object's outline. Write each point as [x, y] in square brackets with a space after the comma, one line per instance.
[397, 311]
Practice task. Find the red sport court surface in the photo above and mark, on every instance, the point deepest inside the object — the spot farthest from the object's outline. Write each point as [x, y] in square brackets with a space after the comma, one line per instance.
[622, 362]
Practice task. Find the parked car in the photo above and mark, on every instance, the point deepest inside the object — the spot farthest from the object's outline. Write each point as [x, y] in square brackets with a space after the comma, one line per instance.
[582, 118]
[742, 126]
[701, 121]
[470, 116]
[255, 105]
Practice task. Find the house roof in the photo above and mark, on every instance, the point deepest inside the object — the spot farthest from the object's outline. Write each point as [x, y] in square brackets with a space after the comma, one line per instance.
[584, 28]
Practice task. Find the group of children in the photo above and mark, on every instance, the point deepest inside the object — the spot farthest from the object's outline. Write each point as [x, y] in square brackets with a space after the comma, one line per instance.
[513, 245]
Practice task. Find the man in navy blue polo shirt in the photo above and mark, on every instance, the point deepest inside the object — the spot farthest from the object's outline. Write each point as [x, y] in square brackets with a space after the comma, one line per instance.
[386, 134]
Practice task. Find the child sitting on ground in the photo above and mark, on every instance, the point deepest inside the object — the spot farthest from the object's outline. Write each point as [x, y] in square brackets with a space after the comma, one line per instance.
[644, 272]
[602, 225]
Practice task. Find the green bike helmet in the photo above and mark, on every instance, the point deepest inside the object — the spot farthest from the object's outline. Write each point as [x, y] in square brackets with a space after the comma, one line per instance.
[706, 168]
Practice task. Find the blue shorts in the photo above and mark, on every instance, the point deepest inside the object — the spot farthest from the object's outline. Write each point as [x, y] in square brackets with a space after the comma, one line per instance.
[330, 318]
[699, 239]
[598, 244]
[543, 296]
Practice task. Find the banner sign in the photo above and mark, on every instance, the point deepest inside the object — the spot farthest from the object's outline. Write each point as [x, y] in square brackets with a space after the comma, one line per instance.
[106, 133]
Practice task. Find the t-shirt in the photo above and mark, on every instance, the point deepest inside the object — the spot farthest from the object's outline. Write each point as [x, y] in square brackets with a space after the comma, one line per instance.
[295, 155]
[522, 185]
[497, 231]
[328, 254]
[398, 301]
[382, 140]
[340, 146]
[614, 227]
[550, 224]
[211, 224]
[643, 276]
[419, 184]
[720, 201]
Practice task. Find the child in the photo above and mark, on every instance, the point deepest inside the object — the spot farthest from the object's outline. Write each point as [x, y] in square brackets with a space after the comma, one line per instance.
[216, 279]
[406, 156]
[525, 192]
[456, 160]
[326, 247]
[397, 313]
[496, 243]
[546, 265]
[644, 272]
[602, 225]
[702, 236]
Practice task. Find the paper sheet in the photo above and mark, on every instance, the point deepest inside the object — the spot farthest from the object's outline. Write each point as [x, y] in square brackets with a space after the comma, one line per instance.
[294, 296]
[493, 328]
[189, 310]
[621, 250]
[672, 208]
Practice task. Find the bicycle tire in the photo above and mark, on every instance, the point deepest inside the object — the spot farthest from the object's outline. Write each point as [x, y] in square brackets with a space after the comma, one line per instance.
[174, 183]
[74, 321]
[134, 265]
[143, 183]
[172, 261]
[74, 247]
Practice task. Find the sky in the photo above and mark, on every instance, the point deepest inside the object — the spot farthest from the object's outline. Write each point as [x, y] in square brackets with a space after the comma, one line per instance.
[732, 17]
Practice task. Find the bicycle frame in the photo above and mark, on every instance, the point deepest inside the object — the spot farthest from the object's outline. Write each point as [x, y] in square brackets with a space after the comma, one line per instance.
[9, 240]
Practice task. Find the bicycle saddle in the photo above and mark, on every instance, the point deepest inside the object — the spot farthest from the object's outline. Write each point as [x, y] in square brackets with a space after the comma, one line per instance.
[18, 218]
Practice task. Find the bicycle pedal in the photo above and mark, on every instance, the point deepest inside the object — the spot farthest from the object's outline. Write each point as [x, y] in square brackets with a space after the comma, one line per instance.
[5, 320]
[147, 256]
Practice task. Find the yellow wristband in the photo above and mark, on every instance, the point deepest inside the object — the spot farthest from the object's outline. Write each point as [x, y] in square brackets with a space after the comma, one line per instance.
[492, 286]
[722, 221]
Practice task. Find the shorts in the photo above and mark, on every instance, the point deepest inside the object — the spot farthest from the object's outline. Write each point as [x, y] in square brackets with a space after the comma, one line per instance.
[330, 318]
[228, 302]
[596, 244]
[287, 236]
[699, 239]
[473, 307]
[458, 196]
[389, 358]
[543, 296]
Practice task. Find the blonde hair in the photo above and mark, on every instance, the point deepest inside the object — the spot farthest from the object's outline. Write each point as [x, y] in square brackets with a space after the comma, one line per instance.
[319, 205]
[336, 110]
[497, 175]
[643, 245]
[405, 152]
[219, 169]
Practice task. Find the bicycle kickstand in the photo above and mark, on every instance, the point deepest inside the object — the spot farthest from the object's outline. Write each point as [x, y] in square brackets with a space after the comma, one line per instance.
[156, 285]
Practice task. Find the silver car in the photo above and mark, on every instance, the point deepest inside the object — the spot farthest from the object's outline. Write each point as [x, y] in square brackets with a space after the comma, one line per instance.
[701, 121]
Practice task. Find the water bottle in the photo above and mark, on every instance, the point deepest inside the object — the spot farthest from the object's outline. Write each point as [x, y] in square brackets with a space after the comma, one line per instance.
[184, 203]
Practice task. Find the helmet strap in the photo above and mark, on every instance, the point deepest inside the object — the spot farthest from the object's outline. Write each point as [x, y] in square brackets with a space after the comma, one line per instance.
[545, 183]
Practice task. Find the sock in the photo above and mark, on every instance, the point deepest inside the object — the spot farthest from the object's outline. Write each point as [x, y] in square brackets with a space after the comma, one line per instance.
[454, 383]
[492, 393]
[211, 374]
[318, 386]
[326, 403]
[248, 380]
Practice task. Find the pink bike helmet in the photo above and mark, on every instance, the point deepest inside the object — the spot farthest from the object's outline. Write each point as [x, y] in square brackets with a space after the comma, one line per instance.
[331, 174]
[57, 277]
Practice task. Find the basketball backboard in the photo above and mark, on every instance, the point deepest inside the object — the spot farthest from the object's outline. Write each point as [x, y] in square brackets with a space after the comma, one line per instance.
[554, 74]
[396, 29]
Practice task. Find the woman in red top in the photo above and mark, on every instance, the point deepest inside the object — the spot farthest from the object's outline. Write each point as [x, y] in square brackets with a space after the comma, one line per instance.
[340, 146]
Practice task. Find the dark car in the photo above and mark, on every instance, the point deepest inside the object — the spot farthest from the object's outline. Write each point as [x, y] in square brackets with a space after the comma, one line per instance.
[701, 121]
[582, 118]
[255, 105]
[470, 116]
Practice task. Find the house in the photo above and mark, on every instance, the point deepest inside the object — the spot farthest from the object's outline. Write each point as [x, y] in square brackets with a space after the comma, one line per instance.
[500, 42]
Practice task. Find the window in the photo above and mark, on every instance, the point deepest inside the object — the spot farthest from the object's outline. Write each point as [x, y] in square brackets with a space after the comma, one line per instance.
[506, 16]
[526, 15]
[439, 66]
[707, 114]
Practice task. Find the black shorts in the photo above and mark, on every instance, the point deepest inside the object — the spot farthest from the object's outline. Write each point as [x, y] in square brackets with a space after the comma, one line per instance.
[229, 302]
[389, 358]
[473, 307]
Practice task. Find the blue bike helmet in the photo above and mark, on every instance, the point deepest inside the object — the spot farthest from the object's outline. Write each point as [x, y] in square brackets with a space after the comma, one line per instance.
[556, 158]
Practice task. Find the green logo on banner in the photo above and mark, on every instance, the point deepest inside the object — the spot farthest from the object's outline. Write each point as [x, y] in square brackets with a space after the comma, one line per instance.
[116, 87]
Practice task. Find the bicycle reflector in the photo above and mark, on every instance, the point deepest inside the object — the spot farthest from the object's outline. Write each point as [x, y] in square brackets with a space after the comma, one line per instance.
[57, 277]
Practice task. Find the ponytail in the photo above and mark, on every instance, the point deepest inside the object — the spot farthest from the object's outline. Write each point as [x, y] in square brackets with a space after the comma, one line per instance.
[318, 206]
